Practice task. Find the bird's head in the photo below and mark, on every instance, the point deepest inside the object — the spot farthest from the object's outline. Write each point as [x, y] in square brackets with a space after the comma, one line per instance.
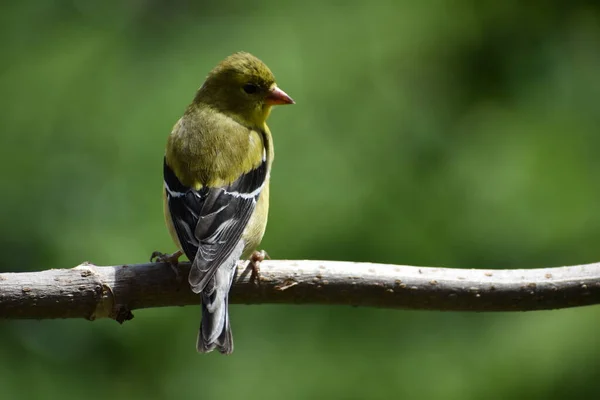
[243, 87]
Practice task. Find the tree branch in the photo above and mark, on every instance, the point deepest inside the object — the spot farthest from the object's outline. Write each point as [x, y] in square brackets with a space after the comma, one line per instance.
[94, 292]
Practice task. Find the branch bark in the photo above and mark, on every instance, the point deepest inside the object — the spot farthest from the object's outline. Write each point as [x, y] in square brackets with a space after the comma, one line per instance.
[92, 292]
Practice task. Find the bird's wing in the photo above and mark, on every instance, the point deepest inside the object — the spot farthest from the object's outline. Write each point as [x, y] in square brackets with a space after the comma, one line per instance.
[209, 222]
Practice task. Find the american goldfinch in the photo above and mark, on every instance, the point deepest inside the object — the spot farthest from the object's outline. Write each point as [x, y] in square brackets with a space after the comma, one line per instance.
[216, 183]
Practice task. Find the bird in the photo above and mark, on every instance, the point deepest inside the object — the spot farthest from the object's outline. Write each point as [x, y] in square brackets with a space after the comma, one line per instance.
[216, 173]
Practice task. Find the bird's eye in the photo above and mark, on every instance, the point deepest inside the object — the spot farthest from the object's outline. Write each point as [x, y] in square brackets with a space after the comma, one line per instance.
[250, 88]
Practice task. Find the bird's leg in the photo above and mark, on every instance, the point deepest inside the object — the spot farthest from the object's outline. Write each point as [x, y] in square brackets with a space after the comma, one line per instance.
[254, 264]
[171, 259]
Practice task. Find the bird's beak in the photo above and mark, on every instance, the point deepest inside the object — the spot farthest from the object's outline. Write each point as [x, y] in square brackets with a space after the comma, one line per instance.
[277, 96]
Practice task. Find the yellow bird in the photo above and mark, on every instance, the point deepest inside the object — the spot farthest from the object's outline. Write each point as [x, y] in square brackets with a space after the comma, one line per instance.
[216, 183]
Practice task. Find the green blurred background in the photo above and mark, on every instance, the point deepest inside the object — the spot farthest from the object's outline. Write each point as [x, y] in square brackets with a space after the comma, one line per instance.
[427, 133]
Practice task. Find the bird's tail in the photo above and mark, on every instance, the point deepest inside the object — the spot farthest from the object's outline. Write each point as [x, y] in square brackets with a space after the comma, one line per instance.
[215, 330]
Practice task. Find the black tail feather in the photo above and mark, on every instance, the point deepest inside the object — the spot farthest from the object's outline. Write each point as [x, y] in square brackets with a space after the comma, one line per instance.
[215, 330]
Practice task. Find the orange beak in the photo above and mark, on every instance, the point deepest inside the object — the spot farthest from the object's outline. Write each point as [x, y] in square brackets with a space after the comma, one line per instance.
[277, 96]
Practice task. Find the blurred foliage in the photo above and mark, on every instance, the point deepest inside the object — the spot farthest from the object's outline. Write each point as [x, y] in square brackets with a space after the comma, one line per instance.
[429, 133]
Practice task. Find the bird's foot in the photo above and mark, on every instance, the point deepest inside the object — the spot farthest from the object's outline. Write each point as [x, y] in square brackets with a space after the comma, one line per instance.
[254, 264]
[171, 259]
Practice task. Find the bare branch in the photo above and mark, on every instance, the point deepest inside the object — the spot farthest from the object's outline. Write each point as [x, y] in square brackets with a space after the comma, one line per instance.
[94, 292]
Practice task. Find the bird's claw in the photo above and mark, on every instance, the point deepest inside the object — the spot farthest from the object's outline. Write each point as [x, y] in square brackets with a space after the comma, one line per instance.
[254, 264]
[171, 259]
[156, 256]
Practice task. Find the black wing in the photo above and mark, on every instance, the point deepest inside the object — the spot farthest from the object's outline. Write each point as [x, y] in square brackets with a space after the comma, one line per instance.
[209, 222]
